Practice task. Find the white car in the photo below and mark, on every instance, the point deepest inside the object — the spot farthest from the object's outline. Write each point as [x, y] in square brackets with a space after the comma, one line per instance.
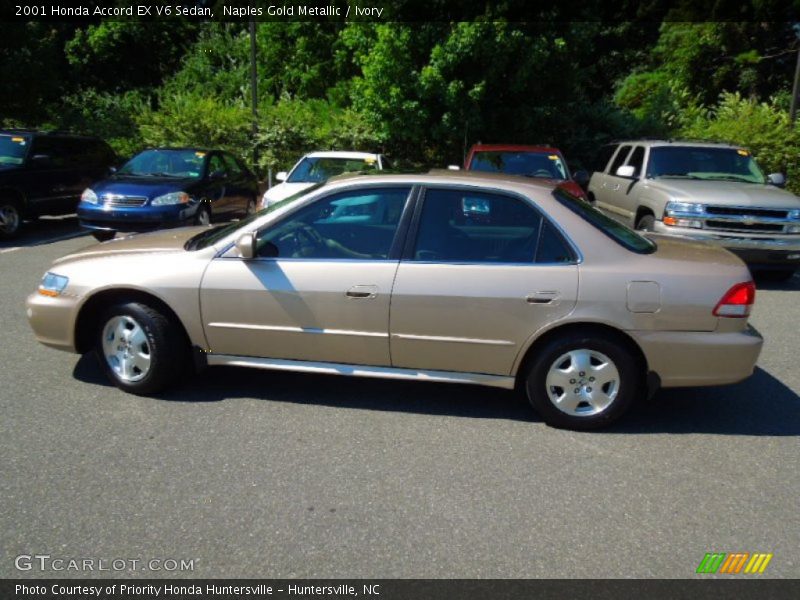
[317, 167]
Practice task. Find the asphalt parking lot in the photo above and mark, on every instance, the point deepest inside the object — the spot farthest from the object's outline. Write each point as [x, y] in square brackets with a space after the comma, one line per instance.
[258, 474]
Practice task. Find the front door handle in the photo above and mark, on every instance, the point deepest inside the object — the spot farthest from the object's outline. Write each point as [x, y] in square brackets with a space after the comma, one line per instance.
[548, 297]
[362, 291]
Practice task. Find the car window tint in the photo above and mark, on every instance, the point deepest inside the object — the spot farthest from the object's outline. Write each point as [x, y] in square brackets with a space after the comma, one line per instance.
[55, 148]
[232, 165]
[552, 247]
[216, 165]
[357, 224]
[619, 160]
[637, 160]
[467, 226]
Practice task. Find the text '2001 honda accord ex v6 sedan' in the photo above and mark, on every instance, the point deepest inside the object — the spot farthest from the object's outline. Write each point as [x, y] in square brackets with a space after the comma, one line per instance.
[450, 277]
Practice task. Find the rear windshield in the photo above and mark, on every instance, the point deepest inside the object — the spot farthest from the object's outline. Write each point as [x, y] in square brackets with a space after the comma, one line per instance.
[621, 234]
[13, 149]
[522, 162]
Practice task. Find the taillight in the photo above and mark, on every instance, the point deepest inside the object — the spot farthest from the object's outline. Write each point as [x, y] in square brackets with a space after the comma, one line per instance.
[737, 301]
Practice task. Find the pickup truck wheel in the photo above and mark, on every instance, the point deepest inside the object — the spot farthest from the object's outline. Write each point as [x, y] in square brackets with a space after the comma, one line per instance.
[139, 349]
[646, 223]
[583, 381]
[10, 218]
[102, 235]
[202, 216]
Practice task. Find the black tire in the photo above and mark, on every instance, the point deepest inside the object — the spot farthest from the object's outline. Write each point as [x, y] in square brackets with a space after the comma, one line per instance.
[646, 223]
[158, 339]
[549, 358]
[10, 218]
[203, 215]
[103, 235]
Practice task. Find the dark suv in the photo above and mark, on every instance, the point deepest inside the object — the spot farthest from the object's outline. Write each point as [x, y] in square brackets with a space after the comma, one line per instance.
[44, 173]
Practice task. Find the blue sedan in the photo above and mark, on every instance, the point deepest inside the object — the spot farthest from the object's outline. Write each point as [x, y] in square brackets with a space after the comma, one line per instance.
[169, 187]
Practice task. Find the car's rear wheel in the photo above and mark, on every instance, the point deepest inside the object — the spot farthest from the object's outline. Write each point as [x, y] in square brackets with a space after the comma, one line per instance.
[583, 381]
[10, 218]
[103, 235]
[203, 215]
[140, 349]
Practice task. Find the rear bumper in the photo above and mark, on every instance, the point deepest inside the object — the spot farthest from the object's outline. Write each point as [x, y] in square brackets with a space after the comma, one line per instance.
[687, 358]
[754, 250]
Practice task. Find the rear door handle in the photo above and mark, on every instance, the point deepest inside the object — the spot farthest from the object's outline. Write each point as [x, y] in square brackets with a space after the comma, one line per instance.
[362, 291]
[548, 297]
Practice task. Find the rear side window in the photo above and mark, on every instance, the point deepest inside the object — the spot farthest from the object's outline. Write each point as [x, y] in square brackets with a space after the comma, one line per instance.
[606, 152]
[480, 227]
[55, 148]
[619, 160]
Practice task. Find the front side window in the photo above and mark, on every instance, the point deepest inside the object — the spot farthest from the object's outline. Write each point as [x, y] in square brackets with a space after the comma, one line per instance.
[318, 169]
[527, 163]
[166, 163]
[480, 227]
[359, 224]
[703, 162]
[637, 160]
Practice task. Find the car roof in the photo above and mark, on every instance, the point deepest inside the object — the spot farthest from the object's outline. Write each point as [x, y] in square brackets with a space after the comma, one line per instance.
[513, 148]
[341, 154]
[445, 176]
[697, 143]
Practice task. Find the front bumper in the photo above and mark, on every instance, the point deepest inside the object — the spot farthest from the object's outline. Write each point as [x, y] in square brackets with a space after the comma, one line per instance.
[694, 358]
[754, 250]
[143, 218]
[53, 320]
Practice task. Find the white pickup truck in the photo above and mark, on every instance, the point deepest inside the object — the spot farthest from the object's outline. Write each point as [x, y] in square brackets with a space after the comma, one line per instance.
[710, 192]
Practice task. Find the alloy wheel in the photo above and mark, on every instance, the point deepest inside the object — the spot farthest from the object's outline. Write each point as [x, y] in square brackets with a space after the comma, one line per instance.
[582, 382]
[126, 348]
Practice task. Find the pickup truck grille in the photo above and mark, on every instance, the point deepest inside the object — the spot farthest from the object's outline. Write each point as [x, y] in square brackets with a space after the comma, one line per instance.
[747, 212]
[744, 219]
[124, 201]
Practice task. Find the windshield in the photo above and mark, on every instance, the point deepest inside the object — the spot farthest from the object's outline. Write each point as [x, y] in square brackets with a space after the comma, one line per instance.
[211, 236]
[13, 149]
[315, 170]
[530, 164]
[166, 163]
[624, 236]
[698, 162]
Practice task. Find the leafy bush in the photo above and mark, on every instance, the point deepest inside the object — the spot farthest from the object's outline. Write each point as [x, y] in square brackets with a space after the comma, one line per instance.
[191, 119]
[762, 127]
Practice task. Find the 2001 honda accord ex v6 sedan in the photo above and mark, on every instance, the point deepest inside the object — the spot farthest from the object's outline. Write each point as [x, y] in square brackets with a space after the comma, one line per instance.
[453, 277]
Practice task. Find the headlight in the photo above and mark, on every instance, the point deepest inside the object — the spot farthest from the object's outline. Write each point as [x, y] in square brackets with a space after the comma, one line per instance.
[89, 196]
[794, 214]
[52, 285]
[685, 207]
[793, 229]
[171, 198]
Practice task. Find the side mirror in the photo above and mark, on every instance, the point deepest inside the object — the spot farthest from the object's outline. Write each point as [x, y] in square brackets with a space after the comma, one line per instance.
[41, 160]
[246, 245]
[626, 171]
[776, 179]
[112, 170]
[581, 178]
[281, 176]
[453, 168]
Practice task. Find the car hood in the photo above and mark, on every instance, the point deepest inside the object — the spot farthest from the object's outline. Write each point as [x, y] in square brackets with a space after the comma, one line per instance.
[156, 242]
[284, 190]
[729, 193]
[149, 187]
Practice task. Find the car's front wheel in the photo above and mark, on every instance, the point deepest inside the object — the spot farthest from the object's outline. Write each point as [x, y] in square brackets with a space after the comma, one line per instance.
[140, 349]
[103, 235]
[203, 215]
[583, 381]
[646, 223]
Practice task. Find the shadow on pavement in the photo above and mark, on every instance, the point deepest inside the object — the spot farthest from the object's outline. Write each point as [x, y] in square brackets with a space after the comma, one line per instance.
[45, 231]
[760, 406]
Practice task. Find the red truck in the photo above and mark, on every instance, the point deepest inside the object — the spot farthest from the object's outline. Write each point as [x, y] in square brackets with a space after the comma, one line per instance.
[530, 161]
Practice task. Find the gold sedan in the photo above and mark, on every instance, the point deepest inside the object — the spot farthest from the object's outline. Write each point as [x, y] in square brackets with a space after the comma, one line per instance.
[450, 277]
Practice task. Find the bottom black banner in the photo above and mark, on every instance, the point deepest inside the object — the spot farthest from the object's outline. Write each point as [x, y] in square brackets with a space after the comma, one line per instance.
[396, 589]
